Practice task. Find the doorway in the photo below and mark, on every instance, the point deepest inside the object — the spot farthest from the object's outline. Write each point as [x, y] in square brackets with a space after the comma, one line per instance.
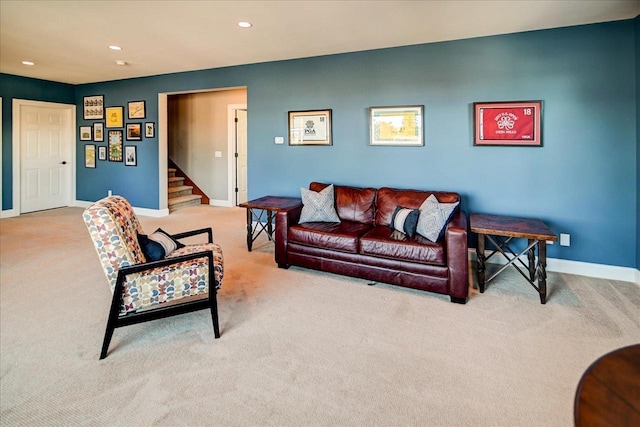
[43, 155]
[240, 155]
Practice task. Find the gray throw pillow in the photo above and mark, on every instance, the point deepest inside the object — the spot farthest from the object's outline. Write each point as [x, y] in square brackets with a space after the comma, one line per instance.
[318, 206]
[434, 217]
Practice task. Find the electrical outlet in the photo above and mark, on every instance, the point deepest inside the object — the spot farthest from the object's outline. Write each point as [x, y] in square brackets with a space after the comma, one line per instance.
[279, 140]
[565, 239]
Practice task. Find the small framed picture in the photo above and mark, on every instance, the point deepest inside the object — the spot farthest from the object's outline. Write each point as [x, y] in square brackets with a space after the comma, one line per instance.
[516, 123]
[93, 107]
[85, 133]
[102, 153]
[134, 132]
[149, 130]
[115, 145]
[310, 127]
[396, 126]
[89, 156]
[114, 117]
[136, 109]
[130, 155]
[98, 132]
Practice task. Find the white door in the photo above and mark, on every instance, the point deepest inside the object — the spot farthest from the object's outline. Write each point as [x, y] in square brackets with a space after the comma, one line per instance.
[44, 158]
[241, 156]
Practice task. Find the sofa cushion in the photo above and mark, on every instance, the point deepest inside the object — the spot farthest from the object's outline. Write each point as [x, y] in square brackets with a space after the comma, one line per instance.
[434, 217]
[352, 203]
[341, 236]
[385, 242]
[318, 206]
[388, 198]
[405, 220]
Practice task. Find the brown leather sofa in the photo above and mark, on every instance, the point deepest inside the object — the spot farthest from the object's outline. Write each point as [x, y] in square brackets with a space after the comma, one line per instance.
[364, 245]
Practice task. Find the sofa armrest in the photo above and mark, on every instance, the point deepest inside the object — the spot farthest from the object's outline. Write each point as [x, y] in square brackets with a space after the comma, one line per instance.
[284, 219]
[457, 255]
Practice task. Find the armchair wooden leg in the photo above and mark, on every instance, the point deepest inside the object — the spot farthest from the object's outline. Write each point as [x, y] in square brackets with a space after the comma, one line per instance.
[213, 301]
[112, 321]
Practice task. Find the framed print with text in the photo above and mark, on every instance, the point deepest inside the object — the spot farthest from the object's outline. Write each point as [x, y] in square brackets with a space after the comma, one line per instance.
[134, 132]
[310, 127]
[102, 153]
[400, 126]
[114, 117]
[89, 156]
[136, 109]
[508, 123]
[115, 145]
[93, 107]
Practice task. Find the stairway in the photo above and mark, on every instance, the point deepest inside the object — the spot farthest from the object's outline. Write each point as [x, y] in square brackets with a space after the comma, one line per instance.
[180, 195]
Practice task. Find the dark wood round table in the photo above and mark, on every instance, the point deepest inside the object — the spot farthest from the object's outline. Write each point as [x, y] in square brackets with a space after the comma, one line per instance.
[609, 391]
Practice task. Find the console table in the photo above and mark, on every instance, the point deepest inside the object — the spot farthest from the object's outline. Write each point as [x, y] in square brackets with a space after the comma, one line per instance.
[500, 231]
[256, 209]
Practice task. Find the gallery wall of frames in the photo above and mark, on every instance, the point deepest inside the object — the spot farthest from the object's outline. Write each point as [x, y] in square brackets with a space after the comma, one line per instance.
[111, 137]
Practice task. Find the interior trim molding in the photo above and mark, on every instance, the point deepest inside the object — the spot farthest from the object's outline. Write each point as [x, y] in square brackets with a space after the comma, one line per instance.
[154, 213]
[220, 202]
[580, 268]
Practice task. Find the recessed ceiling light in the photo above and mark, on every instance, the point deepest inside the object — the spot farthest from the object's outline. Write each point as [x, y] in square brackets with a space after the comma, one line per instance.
[114, 47]
[245, 24]
[28, 63]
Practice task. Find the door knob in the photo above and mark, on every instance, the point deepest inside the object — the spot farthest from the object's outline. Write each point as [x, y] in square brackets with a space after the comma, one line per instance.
[64, 162]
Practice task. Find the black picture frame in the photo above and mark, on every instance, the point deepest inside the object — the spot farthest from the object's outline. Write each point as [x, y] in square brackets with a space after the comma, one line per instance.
[130, 155]
[149, 130]
[93, 107]
[134, 132]
[136, 109]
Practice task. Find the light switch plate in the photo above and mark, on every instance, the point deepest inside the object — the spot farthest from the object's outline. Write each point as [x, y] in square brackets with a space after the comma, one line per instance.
[217, 153]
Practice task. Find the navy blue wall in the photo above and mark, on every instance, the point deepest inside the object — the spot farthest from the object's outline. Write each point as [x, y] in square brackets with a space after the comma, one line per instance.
[23, 88]
[583, 181]
[637, 56]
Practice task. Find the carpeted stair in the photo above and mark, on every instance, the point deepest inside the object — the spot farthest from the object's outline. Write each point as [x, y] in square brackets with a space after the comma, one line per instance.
[180, 195]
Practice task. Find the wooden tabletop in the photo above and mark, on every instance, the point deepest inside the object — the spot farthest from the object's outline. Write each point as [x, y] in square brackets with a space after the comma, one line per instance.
[498, 225]
[272, 203]
[609, 391]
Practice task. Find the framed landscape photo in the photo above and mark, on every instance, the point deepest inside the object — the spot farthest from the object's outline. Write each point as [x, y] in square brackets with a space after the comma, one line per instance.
[89, 156]
[310, 127]
[516, 123]
[85, 133]
[136, 109]
[149, 130]
[114, 117]
[102, 153]
[134, 132]
[130, 155]
[98, 132]
[115, 145]
[400, 126]
[93, 107]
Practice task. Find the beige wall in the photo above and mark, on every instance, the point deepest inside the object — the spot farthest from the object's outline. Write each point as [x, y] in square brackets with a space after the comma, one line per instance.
[198, 127]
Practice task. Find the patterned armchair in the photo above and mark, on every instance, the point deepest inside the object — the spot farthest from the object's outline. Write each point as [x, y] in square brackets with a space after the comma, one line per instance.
[142, 291]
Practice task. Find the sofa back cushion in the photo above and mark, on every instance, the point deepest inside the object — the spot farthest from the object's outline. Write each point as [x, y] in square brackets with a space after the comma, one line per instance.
[352, 203]
[389, 198]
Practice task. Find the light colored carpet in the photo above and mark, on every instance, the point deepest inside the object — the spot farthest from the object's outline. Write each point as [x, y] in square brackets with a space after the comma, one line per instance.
[298, 347]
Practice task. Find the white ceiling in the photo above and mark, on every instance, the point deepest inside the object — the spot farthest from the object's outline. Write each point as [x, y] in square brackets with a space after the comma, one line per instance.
[68, 40]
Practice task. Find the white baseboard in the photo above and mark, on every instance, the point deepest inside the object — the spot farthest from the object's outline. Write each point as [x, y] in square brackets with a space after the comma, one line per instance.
[8, 213]
[600, 271]
[221, 203]
[155, 213]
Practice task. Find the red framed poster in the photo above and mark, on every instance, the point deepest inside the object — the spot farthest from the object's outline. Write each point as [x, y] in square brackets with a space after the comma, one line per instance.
[508, 123]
